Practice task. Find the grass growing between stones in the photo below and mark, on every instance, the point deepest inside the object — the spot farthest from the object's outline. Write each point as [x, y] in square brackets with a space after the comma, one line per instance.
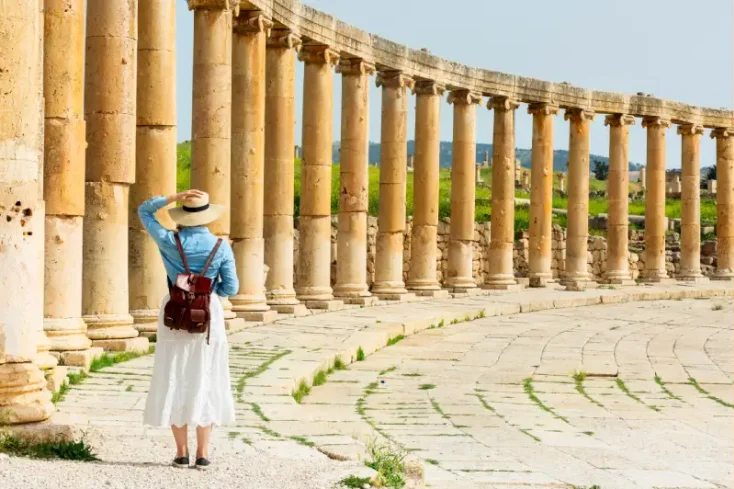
[64, 450]
[303, 441]
[355, 482]
[706, 393]
[427, 387]
[488, 407]
[388, 370]
[623, 387]
[396, 339]
[108, 359]
[387, 461]
[360, 354]
[660, 382]
[259, 370]
[530, 391]
[579, 378]
[302, 391]
[258, 410]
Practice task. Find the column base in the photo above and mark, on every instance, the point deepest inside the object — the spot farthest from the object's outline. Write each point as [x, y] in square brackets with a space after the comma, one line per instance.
[146, 321]
[307, 294]
[361, 301]
[695, 277]
[325, 305]
[513, 287]
[387, 287]
[59, 427]
[723, 275]
[110, 327]
[344, 291]
[542, 280]
[258, 316]
[281, 297]
[81, 358]
[576, 285]
[656, 277]
[25, 398]
[435, 294]
[404, 297]
[139, 344]
[623, 278]
[422, 284]
[249, 303]
[66, 333]
[296, 309]
[235, 324]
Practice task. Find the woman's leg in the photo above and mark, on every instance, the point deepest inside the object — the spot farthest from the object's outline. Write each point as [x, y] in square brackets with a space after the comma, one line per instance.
[202, 441]
[181, 435]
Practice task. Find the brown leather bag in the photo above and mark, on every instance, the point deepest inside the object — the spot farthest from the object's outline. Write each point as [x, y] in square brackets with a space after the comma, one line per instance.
[188, 306]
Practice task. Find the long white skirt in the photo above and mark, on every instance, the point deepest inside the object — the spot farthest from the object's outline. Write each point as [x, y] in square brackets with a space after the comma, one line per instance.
[191, 383]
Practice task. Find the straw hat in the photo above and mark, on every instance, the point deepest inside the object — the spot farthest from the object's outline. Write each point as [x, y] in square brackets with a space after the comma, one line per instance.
[196, 211]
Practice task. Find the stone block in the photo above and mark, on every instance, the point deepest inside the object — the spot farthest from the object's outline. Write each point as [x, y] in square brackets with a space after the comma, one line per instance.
[435, 294]
[59, 427]
[327, 305]
[294, 309]
[82, 358]
[258, 316]
[234, 325]
[56, 378]
[139, 344]
[406, 297]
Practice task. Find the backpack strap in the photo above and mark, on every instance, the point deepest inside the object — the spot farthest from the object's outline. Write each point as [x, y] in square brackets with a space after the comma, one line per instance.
[211, 256]
[181, 253]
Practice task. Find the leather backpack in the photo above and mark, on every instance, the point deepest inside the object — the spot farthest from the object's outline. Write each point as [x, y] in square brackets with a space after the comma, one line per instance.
[188, 307]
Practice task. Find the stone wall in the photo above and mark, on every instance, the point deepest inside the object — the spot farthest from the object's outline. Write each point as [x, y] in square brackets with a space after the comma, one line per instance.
[596, 255]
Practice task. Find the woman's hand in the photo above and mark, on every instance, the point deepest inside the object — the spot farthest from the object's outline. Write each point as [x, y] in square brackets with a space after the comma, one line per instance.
[185, 195]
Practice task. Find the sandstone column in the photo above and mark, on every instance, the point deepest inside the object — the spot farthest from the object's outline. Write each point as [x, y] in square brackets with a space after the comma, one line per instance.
[23, 394]
[617, 271]
[314, 225]
[251, 30]
[724, 204]
[393, 170]
[63, 178]
[690, 262]
[655, 200]
[351, 265]
[109, 107]
[501, 273]
[422, 271]
[576, 275]
[280, 120]
[155, 166]
[541, 194]
[461, 240]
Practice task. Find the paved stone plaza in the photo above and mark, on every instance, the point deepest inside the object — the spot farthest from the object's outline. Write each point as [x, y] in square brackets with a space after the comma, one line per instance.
[487, 394]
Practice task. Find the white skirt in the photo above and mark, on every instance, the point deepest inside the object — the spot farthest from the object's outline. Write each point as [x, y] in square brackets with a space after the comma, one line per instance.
[191, 383]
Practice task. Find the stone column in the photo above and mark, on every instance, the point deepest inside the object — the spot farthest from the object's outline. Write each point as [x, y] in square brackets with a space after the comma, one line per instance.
[393, 170]
[422, 272]
[280, 120]
[109, 108]
[251, 30]
[501, 272]
[724, 204]
[617, 271]
[576, 275]
[690, 262]
[23, 394]
[541, 194]
[63, 178]
[351, 265]
[155, 166]
[459, 276]
[655, 200]
[314, 225]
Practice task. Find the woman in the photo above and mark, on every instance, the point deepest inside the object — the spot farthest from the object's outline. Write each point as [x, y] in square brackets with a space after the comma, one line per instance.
[191, 383]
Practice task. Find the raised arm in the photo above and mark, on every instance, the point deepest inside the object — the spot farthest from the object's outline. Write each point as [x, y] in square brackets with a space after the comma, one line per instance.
[229, 284]
[147, 210]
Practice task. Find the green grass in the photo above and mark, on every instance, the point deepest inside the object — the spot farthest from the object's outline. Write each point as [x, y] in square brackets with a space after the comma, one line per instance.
[64, 450]
[530, 391]
[302, 441]
[395, 340]
[387, 461]
[360, 354]
[660, 382]
[339, 364]
[129, 388]
[706, 393]
[579, 378]
[427, 387]
[258, 410]
[623, 387]
[109, 359]
[242, 382]
[388, 370]
[59, 395]
[302, 391]
[319, 378]
[355, 482]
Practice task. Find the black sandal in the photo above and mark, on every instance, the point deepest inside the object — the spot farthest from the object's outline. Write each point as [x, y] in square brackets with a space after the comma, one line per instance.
[181, 462]
[202, 463]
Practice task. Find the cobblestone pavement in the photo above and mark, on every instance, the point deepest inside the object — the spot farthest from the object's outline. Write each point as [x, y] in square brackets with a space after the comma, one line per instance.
[512, 390]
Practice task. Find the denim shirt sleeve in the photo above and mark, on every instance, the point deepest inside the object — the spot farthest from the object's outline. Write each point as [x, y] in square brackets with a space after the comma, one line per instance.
[162, 236]
[229, 285]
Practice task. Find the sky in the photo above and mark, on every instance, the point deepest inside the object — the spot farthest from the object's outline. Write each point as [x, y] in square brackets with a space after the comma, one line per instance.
[675, 49]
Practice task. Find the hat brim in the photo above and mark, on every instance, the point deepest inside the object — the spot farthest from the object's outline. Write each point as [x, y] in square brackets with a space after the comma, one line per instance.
[183, 218]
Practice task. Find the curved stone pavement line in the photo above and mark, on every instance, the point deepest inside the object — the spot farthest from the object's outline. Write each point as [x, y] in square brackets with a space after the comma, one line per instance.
[269, 361]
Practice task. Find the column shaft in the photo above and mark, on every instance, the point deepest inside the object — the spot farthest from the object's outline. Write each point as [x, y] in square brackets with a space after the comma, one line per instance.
[279, 166]
[109, 107]
[655, 200]
[724, 204]
[248, 162]
[314, 264]
[23, 397]
[422, 270]
[501, 272]
[576, 273]
[155, 165]
[541, 194]
[690, 263]
[351, 264]
[63, 173]
[461, 238]
[617, 271]
[393, 170]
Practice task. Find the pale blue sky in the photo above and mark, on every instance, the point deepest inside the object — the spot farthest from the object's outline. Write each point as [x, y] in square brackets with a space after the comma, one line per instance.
[675, 49]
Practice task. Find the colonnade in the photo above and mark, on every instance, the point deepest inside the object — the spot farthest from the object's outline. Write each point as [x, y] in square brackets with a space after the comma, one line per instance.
[108, 142]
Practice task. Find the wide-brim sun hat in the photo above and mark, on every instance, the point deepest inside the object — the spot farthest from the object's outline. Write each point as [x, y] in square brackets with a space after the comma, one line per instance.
[196, 211]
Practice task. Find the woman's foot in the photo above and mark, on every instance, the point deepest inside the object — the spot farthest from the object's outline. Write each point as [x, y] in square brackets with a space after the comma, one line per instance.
[181, 462]
[202, 463]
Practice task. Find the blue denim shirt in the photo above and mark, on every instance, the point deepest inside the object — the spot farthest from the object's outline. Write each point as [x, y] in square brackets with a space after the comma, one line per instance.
[197, 243]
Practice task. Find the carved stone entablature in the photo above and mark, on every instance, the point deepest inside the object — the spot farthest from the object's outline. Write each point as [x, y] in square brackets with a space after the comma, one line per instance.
[542, 108]
[502, 103]
[394, 79]
[465, 97]
[355, 67]
[580, 115]
[617, 120]
[428, 87]
[318, 54]
[655, 121]
[284, 38]
[690, 129]
[233, 5]
[722, 132]
[252, 22]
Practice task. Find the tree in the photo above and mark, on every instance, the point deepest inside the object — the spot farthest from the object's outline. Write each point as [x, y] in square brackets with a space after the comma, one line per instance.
[601, 170]
[709, 173]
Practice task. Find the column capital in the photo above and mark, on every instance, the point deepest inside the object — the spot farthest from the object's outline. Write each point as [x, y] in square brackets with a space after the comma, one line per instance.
[318, 54]
[502, 103]
[393, 79]
[464, 97]
[284, 38]
[655, 121]
[722, 132]
[542, 108]
[578, 114]
[355, 66]
[233, 5]
[690, 129]
[428, 87]
[252, 22]
[617, 120]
